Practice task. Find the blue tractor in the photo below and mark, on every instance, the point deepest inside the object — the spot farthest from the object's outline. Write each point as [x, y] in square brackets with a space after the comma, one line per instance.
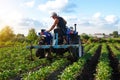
[55, 44]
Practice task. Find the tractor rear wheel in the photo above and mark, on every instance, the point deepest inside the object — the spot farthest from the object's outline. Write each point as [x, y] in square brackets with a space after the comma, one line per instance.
[76, 52]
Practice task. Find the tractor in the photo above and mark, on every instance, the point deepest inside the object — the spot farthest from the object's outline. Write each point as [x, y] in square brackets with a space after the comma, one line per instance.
[54, 43]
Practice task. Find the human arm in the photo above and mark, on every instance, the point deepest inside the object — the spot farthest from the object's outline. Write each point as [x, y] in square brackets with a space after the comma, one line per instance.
[65, 21]
[54, 24]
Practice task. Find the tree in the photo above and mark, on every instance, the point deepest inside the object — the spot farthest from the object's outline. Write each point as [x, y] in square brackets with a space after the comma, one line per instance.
[32, 36]
[20, 38]
[115, 34]
[6, 34]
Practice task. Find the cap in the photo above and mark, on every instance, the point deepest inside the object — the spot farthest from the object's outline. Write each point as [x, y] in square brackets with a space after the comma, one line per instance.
[54, 14]
[71, 28]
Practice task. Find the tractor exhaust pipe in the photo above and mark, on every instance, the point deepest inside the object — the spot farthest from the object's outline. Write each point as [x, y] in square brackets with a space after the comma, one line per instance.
[75, 27]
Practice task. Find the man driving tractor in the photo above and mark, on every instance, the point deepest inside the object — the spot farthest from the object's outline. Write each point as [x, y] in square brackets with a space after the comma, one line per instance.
[61, 26]
[54, 43]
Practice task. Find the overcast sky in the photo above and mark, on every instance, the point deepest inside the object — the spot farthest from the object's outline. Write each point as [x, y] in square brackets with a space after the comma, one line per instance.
[91, 16]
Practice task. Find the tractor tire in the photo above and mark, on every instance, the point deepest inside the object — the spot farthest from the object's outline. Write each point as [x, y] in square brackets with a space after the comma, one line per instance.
[48, 56]
[40, 53]
[76, 52]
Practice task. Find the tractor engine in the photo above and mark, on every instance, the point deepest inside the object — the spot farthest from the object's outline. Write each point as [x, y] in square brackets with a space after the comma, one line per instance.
[72, 36]
[45, 39]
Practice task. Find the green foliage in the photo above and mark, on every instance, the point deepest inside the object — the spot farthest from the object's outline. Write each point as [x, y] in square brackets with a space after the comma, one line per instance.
[115, 51]
[111, 40]
[32, 36]
[103, 70]
[19, 38]
[84, 37]
[15, 61]
[42, 73]
[90, 40]
[115, 34]
[88, 47]
[72, 71]
[6, 34]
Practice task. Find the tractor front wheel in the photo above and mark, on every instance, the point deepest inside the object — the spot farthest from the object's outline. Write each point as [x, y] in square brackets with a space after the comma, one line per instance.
[40, 53]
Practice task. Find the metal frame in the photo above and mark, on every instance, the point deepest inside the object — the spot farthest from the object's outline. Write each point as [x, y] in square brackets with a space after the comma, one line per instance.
[56, 46]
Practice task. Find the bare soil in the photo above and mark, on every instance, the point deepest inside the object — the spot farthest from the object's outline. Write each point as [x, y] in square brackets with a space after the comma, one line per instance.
[114, 64]
[90, 67]
[54, 75]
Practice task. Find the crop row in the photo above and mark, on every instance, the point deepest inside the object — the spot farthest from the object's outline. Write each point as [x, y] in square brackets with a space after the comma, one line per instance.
[72, 71]
[42, 73]
[115, 51]
[103, 70]
[87, 47]
[16, 63]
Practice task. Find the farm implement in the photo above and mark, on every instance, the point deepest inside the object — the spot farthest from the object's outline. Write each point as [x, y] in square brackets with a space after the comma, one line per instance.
[55, 43]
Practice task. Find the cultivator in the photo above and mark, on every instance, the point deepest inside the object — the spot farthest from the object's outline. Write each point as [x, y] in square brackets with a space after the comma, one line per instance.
[55, 44]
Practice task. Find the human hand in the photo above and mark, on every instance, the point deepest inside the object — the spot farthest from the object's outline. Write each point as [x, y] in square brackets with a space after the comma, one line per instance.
[48, 31]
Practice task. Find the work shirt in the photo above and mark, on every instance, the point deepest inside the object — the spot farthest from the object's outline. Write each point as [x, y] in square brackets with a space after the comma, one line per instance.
[62, 25]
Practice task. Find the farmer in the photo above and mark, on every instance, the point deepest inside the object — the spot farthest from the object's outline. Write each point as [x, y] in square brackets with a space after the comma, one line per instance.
[60, 23]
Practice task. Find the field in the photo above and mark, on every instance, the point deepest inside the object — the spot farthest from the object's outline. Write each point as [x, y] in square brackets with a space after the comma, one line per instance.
[101, 61]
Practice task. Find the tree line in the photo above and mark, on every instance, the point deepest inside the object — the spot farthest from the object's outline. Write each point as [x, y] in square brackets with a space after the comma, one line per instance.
[7, 34]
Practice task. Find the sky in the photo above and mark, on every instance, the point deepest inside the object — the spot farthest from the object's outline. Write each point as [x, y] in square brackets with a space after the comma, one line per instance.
[91, 16]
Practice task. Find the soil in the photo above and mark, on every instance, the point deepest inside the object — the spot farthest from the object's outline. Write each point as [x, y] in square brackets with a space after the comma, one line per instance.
[117, 48]
[90, 67]
[114, 64]
[54, 75]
